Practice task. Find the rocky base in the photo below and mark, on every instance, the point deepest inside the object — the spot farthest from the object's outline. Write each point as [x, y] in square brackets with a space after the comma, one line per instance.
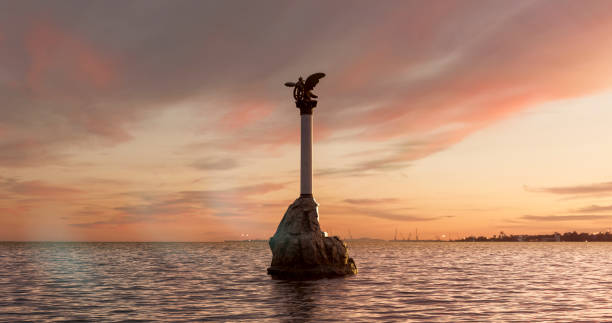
[301, 251]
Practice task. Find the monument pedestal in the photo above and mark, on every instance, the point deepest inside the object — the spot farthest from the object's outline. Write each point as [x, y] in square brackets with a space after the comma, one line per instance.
[301, 251]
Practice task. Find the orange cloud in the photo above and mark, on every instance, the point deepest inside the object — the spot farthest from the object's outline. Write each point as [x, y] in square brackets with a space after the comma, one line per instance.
[575, 190]
[594, 209]
[180, 206]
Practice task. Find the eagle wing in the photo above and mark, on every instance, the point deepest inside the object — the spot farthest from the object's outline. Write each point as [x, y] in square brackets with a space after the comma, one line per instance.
[312, 80]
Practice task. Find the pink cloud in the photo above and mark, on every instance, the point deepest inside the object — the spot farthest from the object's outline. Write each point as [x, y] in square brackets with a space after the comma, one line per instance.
[245, 113]
[55, 51]
[42, 189]
[25, 152]
[108, 127]
[521, 64]
[421, 68]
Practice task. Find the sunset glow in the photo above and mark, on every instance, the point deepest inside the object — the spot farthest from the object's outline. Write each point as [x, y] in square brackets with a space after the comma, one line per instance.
[452, 118]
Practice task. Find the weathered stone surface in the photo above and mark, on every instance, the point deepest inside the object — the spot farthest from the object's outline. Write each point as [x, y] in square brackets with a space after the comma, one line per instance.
[301, 251]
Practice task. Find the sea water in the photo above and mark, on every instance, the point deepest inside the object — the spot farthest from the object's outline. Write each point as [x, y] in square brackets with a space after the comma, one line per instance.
[397, 281]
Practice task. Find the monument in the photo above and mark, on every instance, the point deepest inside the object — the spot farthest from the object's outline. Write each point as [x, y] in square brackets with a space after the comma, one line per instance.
[300, 250]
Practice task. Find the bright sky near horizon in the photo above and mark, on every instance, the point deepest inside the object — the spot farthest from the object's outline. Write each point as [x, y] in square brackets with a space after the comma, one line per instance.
[169, 121]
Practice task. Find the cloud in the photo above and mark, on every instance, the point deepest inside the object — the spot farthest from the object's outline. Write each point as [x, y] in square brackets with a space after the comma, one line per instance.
[371, 201]
[401, 217]
[594, 209]
[39, 188]
[244, 114]
[52, 49]
[553, 218]
[167, 207]
[36, 189]
[227, 214]
[241, 191]
[403, 153]
[413, 70]
[370, 208]
[109, 182]
[27, 153]
[596, 188]
[88, 225]
[215, 164]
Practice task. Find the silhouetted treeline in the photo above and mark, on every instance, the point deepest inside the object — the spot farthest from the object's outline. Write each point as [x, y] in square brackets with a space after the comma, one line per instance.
[568, 236]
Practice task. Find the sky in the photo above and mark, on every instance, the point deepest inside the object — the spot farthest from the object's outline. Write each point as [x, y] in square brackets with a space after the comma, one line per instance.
[168, 120]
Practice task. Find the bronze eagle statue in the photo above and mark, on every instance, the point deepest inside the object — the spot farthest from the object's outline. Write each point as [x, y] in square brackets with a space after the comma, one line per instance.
[302, 90]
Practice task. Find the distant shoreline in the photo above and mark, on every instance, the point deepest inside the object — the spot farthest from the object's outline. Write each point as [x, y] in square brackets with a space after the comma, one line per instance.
[555, 237]
[502, 237]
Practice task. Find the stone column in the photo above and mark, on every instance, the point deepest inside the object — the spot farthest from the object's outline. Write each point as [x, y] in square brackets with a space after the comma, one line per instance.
[300, 250]
[306, 155]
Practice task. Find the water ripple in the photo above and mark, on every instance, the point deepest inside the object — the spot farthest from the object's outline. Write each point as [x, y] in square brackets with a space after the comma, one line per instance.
[227, 282]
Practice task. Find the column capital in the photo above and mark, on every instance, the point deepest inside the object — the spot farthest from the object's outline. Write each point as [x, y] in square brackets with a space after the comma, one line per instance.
[305, 106]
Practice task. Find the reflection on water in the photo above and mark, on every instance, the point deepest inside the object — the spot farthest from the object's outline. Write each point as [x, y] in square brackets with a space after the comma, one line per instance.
[298, 298]
[228, 282]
